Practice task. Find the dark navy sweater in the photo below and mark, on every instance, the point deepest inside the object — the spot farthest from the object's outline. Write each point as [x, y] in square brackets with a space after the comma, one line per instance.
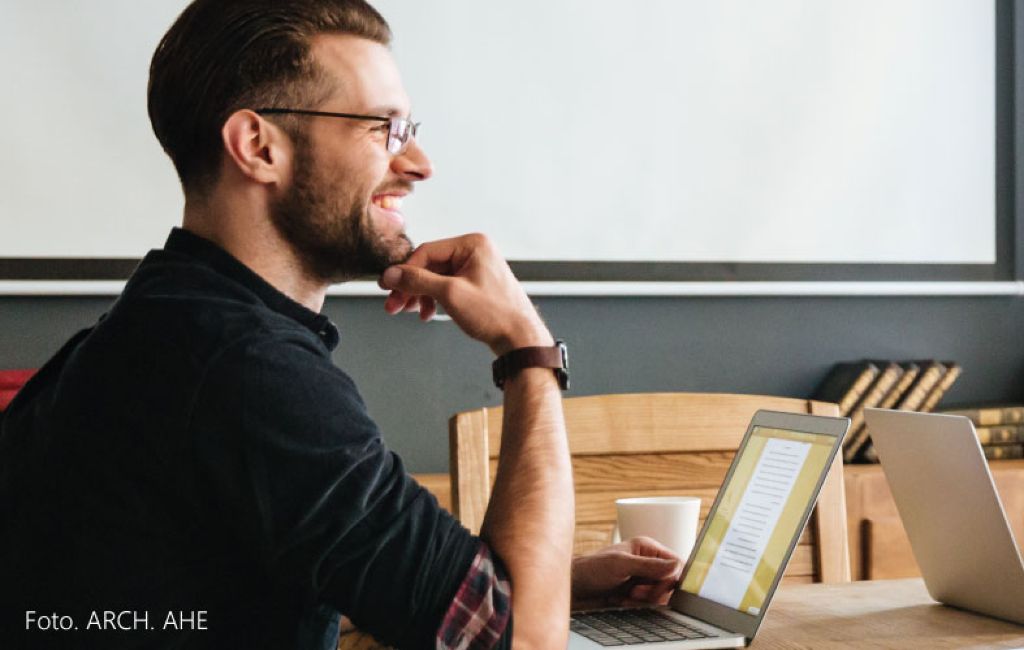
[198, 453]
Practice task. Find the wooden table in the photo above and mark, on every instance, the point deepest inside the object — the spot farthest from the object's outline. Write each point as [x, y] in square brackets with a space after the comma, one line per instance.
[896, 614]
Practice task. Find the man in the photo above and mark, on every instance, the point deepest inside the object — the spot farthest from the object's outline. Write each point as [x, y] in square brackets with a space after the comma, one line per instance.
[194, 471]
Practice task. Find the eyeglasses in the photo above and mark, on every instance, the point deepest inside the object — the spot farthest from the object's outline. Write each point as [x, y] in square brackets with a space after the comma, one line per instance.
[400, 130]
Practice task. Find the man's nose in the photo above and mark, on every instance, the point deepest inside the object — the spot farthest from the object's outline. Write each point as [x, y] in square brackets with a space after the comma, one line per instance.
[413, 163]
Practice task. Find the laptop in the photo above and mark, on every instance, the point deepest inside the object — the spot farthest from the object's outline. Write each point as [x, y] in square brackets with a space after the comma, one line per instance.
[743, 548]
[951, 511]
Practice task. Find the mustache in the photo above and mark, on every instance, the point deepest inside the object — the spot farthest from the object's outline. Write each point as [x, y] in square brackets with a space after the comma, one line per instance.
[405, 187]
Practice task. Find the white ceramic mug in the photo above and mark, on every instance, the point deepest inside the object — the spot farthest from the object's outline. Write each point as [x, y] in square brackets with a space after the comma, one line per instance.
[669, 520]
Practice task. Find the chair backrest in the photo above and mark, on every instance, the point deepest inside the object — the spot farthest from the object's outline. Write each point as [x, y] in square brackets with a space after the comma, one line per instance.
[650, 444]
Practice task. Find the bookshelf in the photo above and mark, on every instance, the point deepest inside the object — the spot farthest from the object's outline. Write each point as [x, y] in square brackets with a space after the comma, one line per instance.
[879, 548]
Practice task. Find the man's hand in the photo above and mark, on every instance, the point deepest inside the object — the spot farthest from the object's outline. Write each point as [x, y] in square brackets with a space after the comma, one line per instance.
[476, 287]
[639, 571]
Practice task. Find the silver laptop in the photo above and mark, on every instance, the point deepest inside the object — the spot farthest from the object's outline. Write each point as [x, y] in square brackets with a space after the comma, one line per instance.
[743, 548]
[951, 511]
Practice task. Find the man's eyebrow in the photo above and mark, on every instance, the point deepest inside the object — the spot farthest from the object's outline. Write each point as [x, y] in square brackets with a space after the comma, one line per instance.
[389, 111]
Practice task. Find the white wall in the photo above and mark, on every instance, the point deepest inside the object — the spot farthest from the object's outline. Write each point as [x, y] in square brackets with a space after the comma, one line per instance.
[689, 130]
[82, 173]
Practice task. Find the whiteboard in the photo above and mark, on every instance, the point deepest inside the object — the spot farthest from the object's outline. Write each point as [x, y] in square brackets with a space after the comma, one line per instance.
[839, 131]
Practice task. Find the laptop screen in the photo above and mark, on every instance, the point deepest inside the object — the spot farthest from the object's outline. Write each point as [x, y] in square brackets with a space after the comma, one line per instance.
[758, 516]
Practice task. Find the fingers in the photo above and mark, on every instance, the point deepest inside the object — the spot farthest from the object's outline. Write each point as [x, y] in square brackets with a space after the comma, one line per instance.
[395, 302]
[447, 256]
[428, 308]
[400, 302]
[412, 304]
[646, 595]
[652, 568]
[433, 255]
[413, 281]
[648, 547]
[425, 279]
[468, 278]
[619, 575]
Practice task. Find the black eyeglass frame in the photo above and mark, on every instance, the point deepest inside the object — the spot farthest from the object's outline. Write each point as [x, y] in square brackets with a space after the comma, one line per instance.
[400, 130]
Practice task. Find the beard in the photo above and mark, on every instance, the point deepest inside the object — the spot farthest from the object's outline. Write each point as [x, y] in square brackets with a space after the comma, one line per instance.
[330, 228]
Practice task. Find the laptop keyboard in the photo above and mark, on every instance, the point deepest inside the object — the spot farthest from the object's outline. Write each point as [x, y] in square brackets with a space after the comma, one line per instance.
[631, 626]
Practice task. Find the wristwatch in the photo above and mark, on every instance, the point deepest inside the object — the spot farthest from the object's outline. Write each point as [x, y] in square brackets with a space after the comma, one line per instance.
[555, 357]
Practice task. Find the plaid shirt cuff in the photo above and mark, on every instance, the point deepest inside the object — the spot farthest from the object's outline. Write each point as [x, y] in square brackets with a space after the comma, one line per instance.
[480, 611]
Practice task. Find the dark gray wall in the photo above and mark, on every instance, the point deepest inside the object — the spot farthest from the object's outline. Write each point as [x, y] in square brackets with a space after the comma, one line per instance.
[415, 376]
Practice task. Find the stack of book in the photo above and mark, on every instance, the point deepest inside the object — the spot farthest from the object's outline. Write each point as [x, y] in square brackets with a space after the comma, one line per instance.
[11, 382]
[1000, 429]
[871, 383]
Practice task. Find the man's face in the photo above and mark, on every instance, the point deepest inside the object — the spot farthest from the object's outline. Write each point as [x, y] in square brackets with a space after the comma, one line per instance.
[342, 209]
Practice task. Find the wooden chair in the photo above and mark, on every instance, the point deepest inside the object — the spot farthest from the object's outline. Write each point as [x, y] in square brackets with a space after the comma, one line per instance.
[651, 444]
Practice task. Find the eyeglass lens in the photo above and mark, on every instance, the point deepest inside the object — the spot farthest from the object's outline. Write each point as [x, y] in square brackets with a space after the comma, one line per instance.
[399, 133]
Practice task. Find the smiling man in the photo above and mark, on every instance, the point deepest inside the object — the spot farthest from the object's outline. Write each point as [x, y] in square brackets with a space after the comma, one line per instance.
[197, 457]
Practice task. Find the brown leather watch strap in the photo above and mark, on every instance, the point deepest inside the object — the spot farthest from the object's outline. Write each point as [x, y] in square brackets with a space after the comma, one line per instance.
[555, 357]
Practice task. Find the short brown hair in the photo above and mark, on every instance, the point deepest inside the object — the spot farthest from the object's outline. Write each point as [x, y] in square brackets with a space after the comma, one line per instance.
[220, 56]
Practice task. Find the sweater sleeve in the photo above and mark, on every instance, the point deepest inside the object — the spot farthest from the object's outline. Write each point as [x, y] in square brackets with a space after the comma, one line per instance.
[316, 499]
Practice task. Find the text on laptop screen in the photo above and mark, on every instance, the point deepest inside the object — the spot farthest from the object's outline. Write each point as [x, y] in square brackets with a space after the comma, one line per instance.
[757, 517]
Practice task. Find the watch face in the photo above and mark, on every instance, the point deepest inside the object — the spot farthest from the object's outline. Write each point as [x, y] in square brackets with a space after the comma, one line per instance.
[563, 372]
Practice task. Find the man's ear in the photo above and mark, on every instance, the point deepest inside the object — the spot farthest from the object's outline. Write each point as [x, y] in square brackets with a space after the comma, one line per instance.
[259, 149]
